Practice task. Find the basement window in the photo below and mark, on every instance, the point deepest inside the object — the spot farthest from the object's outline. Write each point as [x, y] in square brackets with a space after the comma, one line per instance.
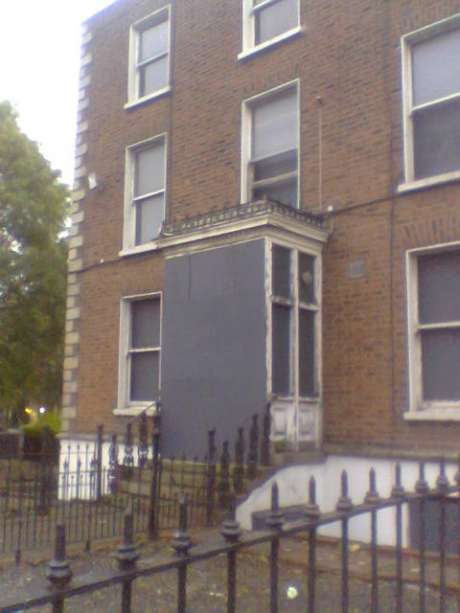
[434, 309]
[149, 62]
[271, 146]
[140, 349]
[431, 86]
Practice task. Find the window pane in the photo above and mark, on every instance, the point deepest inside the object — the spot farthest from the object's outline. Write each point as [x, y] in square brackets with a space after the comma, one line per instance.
[281, 356]
[439, 287]
[154, 41]
[150, 214]
[440, 363]
[275, 166]
[436, 67]
[306, 278]
[281, 271]
[285, 192]
[144, 376]
[153, 77]
[275, 19]
[437, 140]
[145, 323]
[307, 385]
[150, 170]
[275, 125]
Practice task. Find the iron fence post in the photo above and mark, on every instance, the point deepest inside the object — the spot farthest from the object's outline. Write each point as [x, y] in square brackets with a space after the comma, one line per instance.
[142, 449]
[211, 477]
[253, 447]
[265, 446]
[422, 488]
[113, 466]
[182, 544]
[231, 532]
[99, 441]
[442, 486]
[373, 498]
[127, 557]
[238, 471]
[312, 513]
[275, 523]
[224, 480]
[398, 493]
[59, 573]
[155, 489]
[344, 505]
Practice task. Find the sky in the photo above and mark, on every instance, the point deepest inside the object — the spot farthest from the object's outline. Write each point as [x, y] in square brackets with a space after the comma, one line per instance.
[39, 66]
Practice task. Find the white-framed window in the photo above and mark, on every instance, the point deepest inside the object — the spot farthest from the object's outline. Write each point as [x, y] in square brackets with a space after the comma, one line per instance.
[149, 57]
[295, 323]
[270, 146]
[434, 331]
[266, 22]
[145, 192]
[431, 97]
[140, 351]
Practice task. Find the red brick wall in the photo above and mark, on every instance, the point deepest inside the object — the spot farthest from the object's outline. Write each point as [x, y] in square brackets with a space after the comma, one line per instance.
[349, 55]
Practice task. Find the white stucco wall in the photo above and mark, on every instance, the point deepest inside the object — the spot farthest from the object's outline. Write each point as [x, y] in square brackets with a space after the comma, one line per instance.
[293, 488]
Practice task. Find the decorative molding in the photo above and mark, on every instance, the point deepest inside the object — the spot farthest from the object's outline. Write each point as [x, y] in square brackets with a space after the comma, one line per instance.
[243, 211]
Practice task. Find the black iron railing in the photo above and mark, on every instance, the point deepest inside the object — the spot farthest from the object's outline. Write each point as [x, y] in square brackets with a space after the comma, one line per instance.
[233, 542]
[89, 485]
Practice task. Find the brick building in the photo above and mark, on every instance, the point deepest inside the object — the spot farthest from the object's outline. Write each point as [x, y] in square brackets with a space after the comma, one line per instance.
[190, 281]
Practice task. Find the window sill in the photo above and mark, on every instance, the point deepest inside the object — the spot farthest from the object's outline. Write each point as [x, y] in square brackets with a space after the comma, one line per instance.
[134, 411]
[248, 53]
[411, 186]
[140, 101]
[440, 414]
[145, 248]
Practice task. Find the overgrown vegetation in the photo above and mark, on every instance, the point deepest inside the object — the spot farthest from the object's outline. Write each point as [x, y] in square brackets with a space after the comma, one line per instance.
[33, 258]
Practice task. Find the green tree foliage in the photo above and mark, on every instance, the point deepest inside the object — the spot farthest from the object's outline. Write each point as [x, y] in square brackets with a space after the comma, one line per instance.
[32, 271]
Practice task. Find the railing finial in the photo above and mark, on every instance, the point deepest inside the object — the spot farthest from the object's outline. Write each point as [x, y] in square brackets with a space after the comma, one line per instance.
[372, 496]
[312, 511]
[344, 503]
[275, 519]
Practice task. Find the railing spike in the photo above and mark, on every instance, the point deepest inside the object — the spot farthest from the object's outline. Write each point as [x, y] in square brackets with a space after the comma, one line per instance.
[372, 496]
[442, 482]
[312, 510]
[275, 519]
[344, 503]
[421, 487]
[398, 490]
